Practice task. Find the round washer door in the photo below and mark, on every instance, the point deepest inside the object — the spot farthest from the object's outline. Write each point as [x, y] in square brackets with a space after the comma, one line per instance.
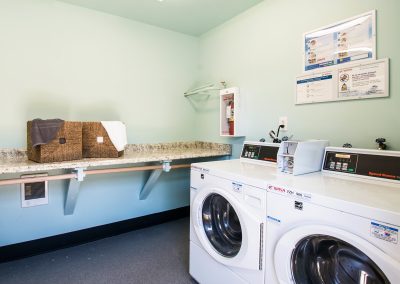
[322, 254]
[222, 225]
[225, 227]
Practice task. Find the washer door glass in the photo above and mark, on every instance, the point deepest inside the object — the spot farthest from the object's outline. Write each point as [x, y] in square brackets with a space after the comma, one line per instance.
[325, 259]
[222, 225]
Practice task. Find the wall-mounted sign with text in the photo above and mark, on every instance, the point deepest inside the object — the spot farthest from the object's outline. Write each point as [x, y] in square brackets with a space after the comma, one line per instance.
[346, 41]
[365, 80]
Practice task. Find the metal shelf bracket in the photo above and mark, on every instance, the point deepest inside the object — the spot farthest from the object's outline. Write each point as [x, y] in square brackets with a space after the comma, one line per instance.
[166, 166]
[73, 191]
[153, 178]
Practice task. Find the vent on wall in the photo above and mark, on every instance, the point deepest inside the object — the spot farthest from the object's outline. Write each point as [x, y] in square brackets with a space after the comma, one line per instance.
[34, 193]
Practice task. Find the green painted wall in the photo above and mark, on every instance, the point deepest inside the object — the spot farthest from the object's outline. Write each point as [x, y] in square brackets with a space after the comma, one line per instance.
[60, 60]
[261, 52]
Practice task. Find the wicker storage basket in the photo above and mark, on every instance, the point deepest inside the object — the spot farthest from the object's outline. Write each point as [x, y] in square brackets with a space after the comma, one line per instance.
[97, 143]
[66, 146]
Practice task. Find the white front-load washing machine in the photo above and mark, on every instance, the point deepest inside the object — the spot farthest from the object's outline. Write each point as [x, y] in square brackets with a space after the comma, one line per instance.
[227, 224]
[338, 226]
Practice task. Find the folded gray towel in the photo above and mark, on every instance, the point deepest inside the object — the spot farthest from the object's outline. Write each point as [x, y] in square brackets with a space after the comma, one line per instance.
[43, 131]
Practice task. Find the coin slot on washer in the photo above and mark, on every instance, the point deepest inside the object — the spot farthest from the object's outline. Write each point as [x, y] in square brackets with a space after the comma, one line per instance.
[298, 205]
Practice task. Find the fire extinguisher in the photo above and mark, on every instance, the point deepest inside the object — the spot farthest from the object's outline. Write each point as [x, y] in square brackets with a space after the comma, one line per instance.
[231, 117]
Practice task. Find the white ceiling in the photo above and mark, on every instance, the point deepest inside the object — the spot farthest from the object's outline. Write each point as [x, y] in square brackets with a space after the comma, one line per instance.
[193, 17]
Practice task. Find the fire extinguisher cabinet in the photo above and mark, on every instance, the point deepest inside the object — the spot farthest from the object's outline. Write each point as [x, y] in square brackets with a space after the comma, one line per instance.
[230, 112]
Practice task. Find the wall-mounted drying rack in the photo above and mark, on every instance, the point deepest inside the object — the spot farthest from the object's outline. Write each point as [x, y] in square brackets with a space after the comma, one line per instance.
[205, 89]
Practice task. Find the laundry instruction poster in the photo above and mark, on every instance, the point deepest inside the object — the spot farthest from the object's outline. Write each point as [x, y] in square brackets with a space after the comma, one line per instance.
[347, 41]
[314, 88]
[363, 81]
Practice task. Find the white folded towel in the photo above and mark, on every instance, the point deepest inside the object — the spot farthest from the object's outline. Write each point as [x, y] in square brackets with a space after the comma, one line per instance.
[116, 130]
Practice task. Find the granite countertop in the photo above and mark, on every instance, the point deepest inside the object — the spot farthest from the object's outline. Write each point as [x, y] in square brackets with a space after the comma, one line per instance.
[16, 161]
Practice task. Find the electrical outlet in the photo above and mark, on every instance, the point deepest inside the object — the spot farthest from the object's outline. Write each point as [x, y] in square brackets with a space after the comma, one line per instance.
[283, 120]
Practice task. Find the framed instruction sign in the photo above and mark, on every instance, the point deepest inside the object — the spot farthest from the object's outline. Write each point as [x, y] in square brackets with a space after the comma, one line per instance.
[316, 87]
[365, 80]
[346, 41]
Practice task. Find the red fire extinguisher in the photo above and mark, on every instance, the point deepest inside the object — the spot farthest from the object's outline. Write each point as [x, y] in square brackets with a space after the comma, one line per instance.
[231, 119]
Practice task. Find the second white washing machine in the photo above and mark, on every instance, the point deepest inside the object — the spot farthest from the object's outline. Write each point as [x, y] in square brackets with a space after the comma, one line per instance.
[339, 226]
[227, 224]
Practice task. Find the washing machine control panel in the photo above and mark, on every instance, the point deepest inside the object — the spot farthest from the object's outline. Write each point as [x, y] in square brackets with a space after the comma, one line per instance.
[260, 151]
[372, 164]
